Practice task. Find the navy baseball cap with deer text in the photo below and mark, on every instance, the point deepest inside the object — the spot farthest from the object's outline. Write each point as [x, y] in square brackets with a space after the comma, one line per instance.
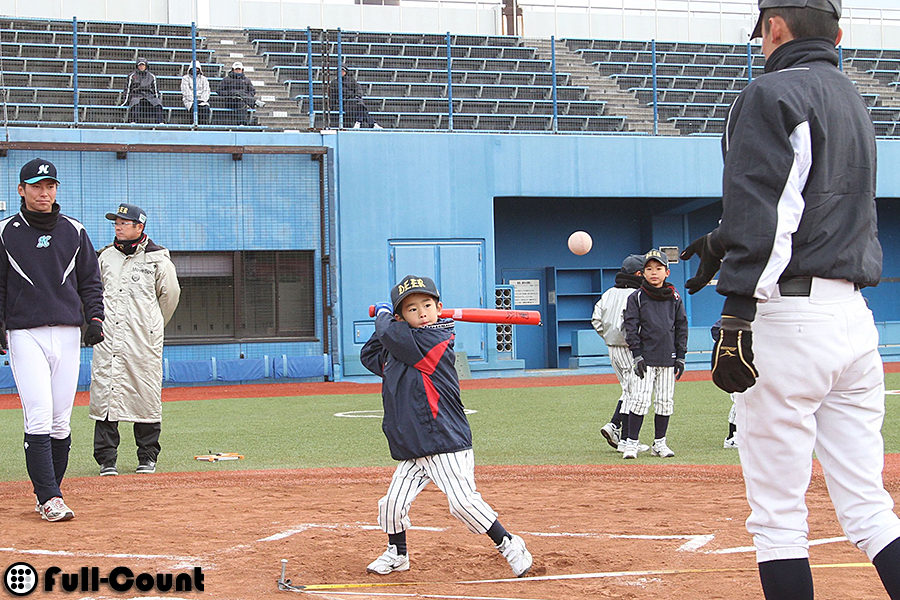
[412, 284]
[36, 170]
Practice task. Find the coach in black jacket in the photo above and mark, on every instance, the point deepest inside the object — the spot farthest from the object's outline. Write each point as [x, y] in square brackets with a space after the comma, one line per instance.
[797, 240]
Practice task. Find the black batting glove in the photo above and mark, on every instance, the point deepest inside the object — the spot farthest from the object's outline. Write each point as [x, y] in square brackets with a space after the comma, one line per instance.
[94, 332]
[679, 368]
[732, 359]
[709, 263]
[640, 367]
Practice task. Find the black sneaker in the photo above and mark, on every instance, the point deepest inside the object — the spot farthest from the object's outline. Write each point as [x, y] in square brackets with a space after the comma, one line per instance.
[107, 470]
[146, 466]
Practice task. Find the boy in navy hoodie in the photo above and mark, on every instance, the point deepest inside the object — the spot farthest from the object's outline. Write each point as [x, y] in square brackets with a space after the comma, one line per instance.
[656, 330]
[425, 423]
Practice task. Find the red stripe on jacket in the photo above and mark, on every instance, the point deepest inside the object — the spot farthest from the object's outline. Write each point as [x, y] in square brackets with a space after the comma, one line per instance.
[427, 366]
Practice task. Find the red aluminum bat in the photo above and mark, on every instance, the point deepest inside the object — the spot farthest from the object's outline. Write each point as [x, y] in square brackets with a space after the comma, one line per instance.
[487, 315]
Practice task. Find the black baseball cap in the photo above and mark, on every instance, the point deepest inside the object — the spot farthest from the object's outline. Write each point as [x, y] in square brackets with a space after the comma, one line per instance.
[832, 6]
[412, 284]
[633, 263]
[128, 211]
[658, 256]
[36, 170]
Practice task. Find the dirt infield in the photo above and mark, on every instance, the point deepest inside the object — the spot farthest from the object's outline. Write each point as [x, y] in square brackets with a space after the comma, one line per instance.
[638, 531]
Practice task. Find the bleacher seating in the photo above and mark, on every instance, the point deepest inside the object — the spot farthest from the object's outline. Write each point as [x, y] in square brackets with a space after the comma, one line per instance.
[38, 70]
[498, 83]
[696, 83]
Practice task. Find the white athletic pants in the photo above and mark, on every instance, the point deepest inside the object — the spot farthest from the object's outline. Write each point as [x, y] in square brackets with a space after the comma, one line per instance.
[453, 473]
[820, 389]
[623, 366]
[658, 385]
[45, 363]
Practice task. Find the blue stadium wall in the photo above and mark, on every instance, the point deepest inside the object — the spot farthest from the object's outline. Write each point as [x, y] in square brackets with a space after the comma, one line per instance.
[472, 210]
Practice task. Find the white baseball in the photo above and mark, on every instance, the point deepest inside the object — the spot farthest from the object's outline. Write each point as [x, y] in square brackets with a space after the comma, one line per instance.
[580, 243]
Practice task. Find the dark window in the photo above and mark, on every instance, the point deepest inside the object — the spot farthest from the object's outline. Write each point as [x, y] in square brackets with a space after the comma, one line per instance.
[252, 295]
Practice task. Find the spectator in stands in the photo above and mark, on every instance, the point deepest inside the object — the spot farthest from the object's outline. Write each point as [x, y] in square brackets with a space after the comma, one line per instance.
[203, 92]
[356, 114]
[140, 293]
[142, 96]
[238, 95]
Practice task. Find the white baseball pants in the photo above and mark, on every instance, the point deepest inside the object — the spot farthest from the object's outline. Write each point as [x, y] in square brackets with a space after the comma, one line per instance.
[453, 473]
[658, 384]
[45, 363]
[820, 389]
[623, 366]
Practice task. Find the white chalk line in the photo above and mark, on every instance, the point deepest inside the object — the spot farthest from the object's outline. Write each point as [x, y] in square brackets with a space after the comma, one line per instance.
[741, 549]
[38, 551]
[307, 526]
[694, 543]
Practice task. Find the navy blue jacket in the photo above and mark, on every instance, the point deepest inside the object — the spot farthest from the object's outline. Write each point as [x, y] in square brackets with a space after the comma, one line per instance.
[48, 277]
[656, 329]
[423, 413]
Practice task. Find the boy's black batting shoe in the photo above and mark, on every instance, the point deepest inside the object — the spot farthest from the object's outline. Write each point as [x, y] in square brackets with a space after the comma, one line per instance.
[108, 470]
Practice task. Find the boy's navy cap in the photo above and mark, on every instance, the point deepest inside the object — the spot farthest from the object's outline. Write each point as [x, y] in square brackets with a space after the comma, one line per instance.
[412, 284]
[658, 256]
[37, 169]
[632, 264]
[128, 211]
[832, 6]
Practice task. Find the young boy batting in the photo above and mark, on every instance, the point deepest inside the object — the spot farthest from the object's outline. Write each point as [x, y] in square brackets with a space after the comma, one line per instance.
[656, 330]
[425, 424]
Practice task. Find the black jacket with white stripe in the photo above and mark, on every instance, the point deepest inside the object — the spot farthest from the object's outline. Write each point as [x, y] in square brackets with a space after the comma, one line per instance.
[423, 413]
[48, 277]
[798, 194]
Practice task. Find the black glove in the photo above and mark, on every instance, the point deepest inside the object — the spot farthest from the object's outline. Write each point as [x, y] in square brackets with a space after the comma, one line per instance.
[94, 333]
[709, 263]
[732, 358]
[3, 343]
[640, 366]
[679, 368]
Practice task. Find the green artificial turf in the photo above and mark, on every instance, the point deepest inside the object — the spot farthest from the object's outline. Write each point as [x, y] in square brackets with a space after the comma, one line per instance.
[539, 425]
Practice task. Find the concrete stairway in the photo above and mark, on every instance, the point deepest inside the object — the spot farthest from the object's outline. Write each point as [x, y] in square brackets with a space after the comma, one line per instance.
[866, 84]
[639, 118]
[280, 111]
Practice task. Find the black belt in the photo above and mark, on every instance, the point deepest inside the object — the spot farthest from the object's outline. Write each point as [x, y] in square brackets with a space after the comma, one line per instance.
[799, 286]
[795, 286]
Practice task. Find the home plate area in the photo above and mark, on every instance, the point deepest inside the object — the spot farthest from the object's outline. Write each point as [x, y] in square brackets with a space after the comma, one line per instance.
[631, 532]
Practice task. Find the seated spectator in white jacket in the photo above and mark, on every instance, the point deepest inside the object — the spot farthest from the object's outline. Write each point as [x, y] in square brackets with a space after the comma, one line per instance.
[203, 92]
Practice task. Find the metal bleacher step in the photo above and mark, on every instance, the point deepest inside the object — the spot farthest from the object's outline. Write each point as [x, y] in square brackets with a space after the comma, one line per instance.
[638, 118]
[280, 111]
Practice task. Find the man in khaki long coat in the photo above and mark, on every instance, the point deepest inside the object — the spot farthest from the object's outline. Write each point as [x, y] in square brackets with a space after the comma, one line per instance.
[140, 293]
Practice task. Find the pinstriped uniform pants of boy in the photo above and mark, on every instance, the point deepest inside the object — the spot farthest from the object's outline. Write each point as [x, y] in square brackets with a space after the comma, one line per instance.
[659, 384]
[453, 473]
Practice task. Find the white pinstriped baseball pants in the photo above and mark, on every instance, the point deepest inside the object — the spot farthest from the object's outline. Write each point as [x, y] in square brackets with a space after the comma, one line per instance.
[45, 363]
[820, 389]
[623, 366]
[658, 384]
[453, 473]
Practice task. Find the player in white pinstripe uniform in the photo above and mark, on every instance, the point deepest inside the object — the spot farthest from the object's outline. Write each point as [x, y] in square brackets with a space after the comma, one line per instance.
[425, 423]
[607, 320]
[656, 331]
